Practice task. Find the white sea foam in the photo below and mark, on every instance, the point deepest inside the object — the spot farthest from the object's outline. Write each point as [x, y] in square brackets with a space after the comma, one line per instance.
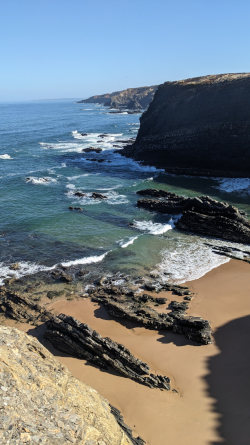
[28, 268]
[153, 228]
[238, 185]
[113, 198]
[85, 140]
[187, 262]
[46, 180]
[85, 260]
[127, 242]
[5, 156]
[119, 161]
[25, 268]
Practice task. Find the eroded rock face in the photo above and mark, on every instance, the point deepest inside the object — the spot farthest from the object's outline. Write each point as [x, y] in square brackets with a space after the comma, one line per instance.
[42, 403]
[69, 335]
[202, 215]
[128, 306]
[131, 98]
[198, 126]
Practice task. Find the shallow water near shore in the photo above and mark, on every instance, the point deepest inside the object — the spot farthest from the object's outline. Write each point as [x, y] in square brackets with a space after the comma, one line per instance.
[42, 165]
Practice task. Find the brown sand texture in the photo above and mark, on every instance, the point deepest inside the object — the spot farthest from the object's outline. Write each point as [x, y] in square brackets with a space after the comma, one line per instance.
[212, 405]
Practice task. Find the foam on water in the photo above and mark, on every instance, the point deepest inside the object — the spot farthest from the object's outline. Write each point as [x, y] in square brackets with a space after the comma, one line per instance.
[125, 243]
[5, 156]
[187, 262]
[25, 268]
[85, 260]
[153, 228]
[113, 198]
[46, 180]
[238, 185]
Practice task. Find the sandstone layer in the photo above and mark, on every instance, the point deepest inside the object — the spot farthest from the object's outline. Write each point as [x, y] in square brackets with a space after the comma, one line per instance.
[41, 402]
[198, 126]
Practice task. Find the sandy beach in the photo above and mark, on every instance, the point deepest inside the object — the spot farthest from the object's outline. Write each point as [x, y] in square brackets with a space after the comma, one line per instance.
[212, 403]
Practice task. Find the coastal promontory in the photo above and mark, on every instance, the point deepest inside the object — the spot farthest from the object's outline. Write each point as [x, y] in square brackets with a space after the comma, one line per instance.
[198, 126]
[131, 98]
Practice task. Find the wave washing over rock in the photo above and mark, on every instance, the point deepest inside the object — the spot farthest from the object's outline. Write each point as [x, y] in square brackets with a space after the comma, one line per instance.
[153, 228]
[66, 410]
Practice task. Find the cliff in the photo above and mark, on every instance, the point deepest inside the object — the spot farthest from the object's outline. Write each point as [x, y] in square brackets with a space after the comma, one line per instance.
[131, 98]
[41, 402]
[198, 126]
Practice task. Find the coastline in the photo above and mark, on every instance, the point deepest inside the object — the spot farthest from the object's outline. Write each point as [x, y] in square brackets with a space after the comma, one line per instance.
[197, 414]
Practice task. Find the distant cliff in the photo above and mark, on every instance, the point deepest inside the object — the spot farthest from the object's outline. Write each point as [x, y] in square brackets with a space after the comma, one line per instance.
[41, 402]
[131, 98]
[198, 126]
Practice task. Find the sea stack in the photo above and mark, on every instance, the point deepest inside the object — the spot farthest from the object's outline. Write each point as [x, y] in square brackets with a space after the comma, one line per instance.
[198, 126]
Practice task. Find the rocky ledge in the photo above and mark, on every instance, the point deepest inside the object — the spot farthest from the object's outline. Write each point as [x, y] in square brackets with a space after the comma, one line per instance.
[42, 403]
[77, 339]
[131, 98]
[202, 215]
[198, 126]
[125, 305]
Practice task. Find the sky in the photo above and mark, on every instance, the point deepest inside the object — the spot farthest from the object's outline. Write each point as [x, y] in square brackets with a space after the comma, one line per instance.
[76, 48]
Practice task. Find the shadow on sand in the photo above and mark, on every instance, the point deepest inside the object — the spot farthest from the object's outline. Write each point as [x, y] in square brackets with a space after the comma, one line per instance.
[228, 382]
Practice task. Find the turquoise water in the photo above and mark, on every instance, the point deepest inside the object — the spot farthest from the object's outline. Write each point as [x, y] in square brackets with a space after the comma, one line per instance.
[42, 165]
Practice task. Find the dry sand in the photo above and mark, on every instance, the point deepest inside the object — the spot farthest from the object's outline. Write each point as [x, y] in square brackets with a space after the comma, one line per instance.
[213, 403]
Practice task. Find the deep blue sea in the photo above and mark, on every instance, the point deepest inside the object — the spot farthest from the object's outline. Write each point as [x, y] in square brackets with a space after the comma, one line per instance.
[41, 167]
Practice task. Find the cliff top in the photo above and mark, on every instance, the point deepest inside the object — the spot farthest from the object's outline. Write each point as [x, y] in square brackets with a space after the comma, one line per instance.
[209, 79]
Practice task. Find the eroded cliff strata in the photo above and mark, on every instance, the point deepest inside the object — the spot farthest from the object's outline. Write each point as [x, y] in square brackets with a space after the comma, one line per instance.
[198, 126]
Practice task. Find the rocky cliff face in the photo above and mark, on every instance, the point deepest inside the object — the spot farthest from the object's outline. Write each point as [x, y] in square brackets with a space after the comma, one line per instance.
[198, 126]
[41, 403]
[131, 98]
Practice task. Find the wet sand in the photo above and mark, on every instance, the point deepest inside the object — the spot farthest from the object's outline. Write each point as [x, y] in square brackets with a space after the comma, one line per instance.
[212, 405]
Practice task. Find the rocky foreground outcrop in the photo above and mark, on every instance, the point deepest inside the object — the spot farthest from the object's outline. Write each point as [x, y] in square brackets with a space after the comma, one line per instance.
[131, 98]
[69, 335]
[42, 403]
[127, 306]
[202, 215]
[198, 126]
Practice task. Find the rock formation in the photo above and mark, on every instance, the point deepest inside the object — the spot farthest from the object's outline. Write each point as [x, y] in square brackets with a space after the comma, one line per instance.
[131, 98]
[202, 215]
[198, 126]
[125, 305]
[77, 339]
[42, 403]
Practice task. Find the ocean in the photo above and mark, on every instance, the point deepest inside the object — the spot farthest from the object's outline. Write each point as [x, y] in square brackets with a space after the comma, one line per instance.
[42, 165]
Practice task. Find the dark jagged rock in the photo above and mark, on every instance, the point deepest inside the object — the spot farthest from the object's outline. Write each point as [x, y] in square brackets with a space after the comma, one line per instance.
[98, 196]
[197, 126]
[231, 252]
[92, 149]
[79, 194]
[117, 414]
[202, 215]
[21, 308]
[78, 339]
[79, 209]
[156, 193]
[133, 99]
[128, 306]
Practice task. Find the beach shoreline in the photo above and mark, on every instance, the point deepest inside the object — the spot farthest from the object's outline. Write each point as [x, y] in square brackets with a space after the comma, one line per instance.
[198, 412]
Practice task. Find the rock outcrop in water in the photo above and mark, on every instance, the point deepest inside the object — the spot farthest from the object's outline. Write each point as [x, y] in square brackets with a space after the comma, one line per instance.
[202, 215]
[42, 403]
[198, 126]
[131, 98]
[77, 339]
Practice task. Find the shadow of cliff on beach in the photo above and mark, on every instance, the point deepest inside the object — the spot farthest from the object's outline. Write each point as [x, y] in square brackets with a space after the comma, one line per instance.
[228, 382]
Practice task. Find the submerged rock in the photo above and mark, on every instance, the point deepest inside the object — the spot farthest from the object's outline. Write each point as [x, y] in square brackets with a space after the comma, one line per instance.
[69, 335]
[92, 149]
[42, 403]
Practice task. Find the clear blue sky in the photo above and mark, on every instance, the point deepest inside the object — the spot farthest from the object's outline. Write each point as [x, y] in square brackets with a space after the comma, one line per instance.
[76, 48]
